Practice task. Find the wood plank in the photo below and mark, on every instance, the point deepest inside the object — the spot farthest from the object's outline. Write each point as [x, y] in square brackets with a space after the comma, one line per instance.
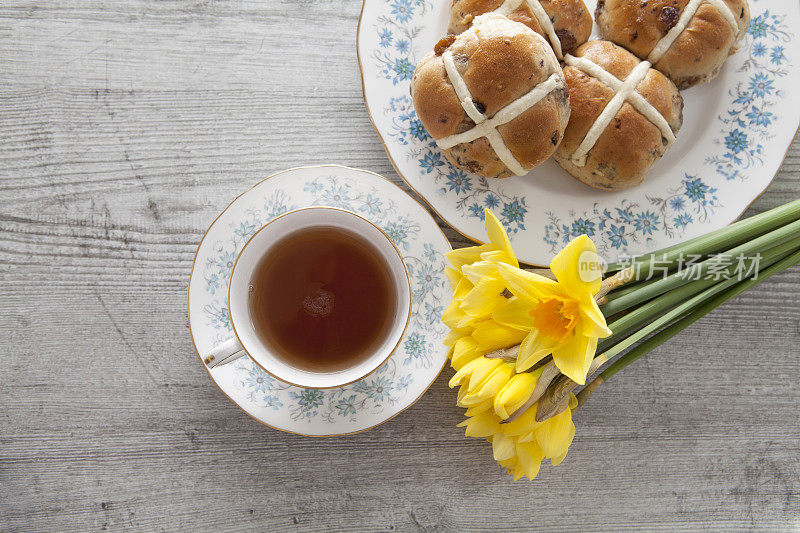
[125, 128]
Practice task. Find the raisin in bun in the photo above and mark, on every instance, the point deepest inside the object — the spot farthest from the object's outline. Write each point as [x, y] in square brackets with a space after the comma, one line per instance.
[493, 98]
[625, 115]
[688, 40]
[565, 24]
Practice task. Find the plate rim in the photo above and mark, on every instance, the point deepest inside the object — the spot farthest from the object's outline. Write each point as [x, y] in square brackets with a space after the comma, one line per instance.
[189, 310]
[475, 239]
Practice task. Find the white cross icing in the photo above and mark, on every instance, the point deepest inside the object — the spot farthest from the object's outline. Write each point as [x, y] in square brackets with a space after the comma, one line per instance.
[663, 45]
[535, 7]
[624, 91]
[487, 127]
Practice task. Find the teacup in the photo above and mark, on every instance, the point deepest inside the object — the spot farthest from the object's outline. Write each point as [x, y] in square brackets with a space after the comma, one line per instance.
[247, 342]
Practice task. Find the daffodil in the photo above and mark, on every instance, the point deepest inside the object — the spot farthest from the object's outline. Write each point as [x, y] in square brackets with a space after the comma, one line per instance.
[477, 284]
[465, 349]
[515, 393]
[560, 316]
[497, 305]
[523, 405]
[481, 379]
[546, 440]
[497, 250]
[519, 446]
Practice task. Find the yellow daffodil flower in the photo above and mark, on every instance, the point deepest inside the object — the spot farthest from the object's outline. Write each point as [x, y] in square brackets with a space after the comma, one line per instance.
[477, 284]
[497, 250]
[497, 305]
[515, 393]
[561, 315]
[481, 379]
[520, 446]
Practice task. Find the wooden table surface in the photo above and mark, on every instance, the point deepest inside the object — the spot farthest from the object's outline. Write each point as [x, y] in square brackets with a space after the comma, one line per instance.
[125, 127]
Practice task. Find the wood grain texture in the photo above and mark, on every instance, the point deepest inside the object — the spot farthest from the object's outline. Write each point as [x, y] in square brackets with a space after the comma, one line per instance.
[125, 127]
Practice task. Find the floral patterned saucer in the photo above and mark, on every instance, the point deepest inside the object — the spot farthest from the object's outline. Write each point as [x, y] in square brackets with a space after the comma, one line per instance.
[409, 371]
[735, 135]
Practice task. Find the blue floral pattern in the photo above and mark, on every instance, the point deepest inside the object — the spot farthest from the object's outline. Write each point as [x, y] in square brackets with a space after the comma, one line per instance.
[396, 55]
[747, 125]
[631, 223]
[421, 351]
[711, 185]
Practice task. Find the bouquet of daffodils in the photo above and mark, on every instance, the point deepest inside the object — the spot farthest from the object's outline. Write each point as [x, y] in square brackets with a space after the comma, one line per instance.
[522, 342]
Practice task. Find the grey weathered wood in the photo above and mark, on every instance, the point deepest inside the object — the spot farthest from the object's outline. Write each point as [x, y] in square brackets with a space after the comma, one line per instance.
[124, 128]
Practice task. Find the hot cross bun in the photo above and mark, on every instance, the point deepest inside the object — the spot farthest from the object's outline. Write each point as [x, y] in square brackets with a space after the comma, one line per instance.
[494, 97]
[688, 40]
[565, 24]
[624, 116]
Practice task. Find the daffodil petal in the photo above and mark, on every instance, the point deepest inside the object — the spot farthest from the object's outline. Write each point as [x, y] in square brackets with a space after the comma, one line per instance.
[454, 335]
[485, 297]
[523, 424]
[515, 313]
[573, 401]
[484, 369]
[462, 289]
[470, 400]
[593, 322]
[555, 435]
[466, 256]
[502, 447]
[533, 349]
[526, 437]
[462, 391]
[508, 464]
[453, 276]
[575, 356]
[482, 425]
[497, 234]
[453, 315]
[527, 284]
[479, 408]
[468, 321]
[483, 364]
[498, 256]
[492, 336]
[530, 456]
[495, 381]
[515, 393]
[476, 271]
[464, 351]
[555, 461]
[577, 268]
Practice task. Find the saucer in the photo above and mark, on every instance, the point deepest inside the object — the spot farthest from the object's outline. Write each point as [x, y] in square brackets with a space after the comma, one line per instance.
[410, 370]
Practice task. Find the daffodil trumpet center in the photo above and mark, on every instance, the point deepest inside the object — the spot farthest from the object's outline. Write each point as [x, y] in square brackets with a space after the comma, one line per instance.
[556, 317]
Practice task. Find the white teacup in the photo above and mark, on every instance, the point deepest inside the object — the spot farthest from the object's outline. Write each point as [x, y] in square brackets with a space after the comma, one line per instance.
[246, 340]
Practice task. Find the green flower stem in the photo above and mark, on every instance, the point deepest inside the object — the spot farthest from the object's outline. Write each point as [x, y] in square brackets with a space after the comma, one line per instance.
[694, 315]
[629, 288]
[648, 311]
[718, 240]
[683, 309]
[678, 279]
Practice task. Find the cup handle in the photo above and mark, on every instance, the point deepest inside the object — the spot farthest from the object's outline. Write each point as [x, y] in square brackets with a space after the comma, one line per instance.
[228, 351]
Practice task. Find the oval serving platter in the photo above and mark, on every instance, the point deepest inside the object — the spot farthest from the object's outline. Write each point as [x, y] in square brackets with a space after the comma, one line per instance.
[735, 135]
